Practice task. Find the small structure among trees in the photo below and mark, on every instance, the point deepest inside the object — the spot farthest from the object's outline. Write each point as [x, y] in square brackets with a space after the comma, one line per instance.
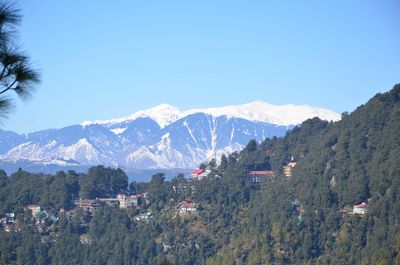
[127, 201]
[287, 170]
[34, 209]
[200, 173]
[360, 208]
[261, 176]
[88, 204]
[187, 205]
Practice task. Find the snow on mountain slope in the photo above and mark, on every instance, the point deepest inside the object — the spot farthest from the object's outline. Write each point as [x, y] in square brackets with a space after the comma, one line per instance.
[289, 114]
[80, 151]
[160, 137]
[261, 111]
[163, 114]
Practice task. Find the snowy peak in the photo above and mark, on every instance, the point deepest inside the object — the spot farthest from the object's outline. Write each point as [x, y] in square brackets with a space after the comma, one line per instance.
[282, 114]
[259, 111]
[163, 114]
[160, 137]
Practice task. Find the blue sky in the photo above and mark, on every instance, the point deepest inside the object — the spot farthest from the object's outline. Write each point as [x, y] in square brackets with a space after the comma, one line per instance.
[107, 59]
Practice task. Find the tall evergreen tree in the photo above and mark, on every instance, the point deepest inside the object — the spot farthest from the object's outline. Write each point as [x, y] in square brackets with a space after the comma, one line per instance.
[16, 72]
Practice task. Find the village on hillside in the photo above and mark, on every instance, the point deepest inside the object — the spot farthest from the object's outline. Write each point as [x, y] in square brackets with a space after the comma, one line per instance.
[43, 221]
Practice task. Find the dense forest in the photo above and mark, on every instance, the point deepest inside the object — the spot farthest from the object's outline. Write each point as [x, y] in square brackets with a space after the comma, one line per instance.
[300, 218]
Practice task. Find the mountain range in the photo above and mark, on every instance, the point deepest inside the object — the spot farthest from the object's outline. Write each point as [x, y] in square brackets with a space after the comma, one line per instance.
[163, 137]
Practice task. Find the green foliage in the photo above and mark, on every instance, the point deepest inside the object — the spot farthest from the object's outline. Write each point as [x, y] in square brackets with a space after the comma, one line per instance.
[16, 73]
[103, 182]
[294, 220]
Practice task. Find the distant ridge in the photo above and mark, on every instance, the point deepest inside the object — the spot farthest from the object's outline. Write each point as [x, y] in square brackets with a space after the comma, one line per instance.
[160, 137]
[289, 114]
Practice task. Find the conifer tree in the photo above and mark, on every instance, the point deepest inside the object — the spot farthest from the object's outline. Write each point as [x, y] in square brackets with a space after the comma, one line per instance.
[16, 72]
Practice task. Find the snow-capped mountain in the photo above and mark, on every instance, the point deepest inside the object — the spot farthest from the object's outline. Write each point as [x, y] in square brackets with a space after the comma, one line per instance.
[163, 114]
[160, 137]
[258, 111]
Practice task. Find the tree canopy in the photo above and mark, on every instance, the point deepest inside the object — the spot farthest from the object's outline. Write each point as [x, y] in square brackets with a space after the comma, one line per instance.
[16, 71]
[301, 219]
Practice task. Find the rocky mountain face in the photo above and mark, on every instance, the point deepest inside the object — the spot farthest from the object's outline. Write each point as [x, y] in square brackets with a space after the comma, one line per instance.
[163, 137]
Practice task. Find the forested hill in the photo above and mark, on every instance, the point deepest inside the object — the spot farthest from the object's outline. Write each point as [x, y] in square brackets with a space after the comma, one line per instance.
[339, 165]
[306, 216]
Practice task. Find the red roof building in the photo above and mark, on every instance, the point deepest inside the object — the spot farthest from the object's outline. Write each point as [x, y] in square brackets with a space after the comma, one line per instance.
[362, 205]
[257, 176]
[198, 171]
[187, 206]
[360, 208]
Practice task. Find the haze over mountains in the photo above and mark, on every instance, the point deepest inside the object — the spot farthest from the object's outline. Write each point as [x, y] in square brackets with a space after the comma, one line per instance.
[163, 137]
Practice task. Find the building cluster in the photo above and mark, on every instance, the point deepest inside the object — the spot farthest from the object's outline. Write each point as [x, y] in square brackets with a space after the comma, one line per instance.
[122, 200]
[41, 219]
[35, 210]
[267, 176]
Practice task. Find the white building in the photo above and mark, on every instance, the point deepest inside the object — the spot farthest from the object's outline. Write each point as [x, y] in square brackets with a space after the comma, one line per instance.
[360, 208]
[127, 201]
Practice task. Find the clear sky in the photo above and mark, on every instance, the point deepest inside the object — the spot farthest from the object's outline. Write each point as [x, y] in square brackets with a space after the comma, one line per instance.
[107, 59]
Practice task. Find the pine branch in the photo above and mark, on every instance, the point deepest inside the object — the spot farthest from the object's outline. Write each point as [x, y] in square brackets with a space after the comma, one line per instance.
[9, 87]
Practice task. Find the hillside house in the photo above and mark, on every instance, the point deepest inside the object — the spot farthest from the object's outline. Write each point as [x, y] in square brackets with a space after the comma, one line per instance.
[10, 218]
[346, 211]
[41, 214]
[3, 221]
[88, 205]
[34, 209]
[122, 200]
[200, 173]
[42, 221]
[85, 239]
[127, 201]
[8, 222]
[109, 201]
[360, 208]
[144, 216]
[187, 206]
[261, 176]
[287, 170]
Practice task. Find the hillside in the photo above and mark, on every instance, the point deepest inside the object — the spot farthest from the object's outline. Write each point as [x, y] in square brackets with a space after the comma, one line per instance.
[315, 215]
[339, 165]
